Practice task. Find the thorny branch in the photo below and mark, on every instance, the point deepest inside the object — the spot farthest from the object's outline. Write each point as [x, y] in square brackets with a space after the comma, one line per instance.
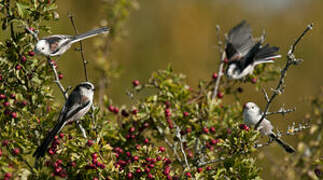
[59, 84]
[222, 56]
[81, 47]
[291, 60]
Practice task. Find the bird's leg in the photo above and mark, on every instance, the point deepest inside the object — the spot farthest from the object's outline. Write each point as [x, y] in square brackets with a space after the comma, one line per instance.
[81, 128]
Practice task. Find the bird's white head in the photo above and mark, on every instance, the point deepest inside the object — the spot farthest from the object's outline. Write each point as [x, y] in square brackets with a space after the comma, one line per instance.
[87, 89]
[42, 47]
[251, 109]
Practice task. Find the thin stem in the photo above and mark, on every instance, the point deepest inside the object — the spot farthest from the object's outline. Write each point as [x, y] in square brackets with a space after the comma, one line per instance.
[220, 73]
[81, 47]
[59, 84]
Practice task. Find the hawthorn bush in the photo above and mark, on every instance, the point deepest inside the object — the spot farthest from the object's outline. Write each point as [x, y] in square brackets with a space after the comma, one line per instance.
[176, 132]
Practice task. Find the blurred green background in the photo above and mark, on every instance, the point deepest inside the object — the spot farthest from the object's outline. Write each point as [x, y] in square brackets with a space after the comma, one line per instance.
[182, 33]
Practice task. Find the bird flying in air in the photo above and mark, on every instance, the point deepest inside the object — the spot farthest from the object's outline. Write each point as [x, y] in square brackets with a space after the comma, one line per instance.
[244, 53]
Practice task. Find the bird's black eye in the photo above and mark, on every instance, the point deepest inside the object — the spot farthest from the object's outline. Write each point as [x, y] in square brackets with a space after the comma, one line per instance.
[252, 107]
[42, 48]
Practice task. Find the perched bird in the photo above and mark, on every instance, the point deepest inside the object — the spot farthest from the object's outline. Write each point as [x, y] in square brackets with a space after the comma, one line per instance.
[56, 45]
[76, 106]
[252, 114]
[243, 53]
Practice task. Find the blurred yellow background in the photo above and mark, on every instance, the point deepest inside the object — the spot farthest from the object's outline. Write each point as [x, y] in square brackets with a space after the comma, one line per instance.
[182, 33]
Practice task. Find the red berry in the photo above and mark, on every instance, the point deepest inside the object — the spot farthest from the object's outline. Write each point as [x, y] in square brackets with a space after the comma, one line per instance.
[16, 151]
[254, 80]
[90, 142]
[135, 83]
[215, 76]
[212, 129]
[60, 76]
[138, 170]
[31, 53]
[116, 110]
[162, 149]
[0, 152]
[199, 170]
[132, 129]
[188, 174]
[23, 59]
[150, 176]
[166, 170]
[5, 142]
[147, 170]
[158, 158]
[13, 115]
[61, 135]
[12, 96]
[205, 130]
[134, 111]
[167, 112]
[138, 146]
[8, 175]
[129, 175]
[135, 158]
[51, 152]
[2, 96]
[220, 95]
[244, 127]
[0, 77]
[18, 67]
[185, 114]
[146, 141]
[111, 108]
[208, 168]
[6, 104]
[94, 156]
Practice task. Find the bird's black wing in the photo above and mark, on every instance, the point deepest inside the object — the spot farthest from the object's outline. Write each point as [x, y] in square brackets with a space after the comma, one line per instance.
[240, 41]
[249, 58]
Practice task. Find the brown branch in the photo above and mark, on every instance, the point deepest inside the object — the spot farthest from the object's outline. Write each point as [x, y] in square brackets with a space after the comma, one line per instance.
[291, 60]
[81, 47]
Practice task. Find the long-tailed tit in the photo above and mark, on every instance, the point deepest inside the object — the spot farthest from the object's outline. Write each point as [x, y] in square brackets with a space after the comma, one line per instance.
[76, 106]
[57, 44]
[252, 114]
[244, 53]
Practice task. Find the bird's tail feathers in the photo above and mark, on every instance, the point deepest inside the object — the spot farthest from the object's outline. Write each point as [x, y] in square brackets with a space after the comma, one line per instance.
[41, 150]
[288, 148]
[266, 54]
[90, 34]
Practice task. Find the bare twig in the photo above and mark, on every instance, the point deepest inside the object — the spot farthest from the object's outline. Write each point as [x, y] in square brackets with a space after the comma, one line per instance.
[220, 73]
[222, 57]
[291, 60]
[181, 141]
[59, 84]
[281, 111]
[211, 162]
[81, 47]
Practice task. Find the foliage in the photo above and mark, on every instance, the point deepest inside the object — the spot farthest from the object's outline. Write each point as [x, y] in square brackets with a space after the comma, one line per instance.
[176, 132]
